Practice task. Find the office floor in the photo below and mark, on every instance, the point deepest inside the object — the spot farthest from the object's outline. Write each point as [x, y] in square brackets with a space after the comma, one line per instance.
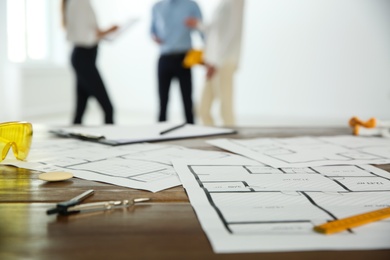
[94, 116]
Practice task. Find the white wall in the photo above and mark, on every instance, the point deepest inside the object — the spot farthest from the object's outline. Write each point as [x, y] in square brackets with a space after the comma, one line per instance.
[304, 62]
[310, 61]
[3, 55]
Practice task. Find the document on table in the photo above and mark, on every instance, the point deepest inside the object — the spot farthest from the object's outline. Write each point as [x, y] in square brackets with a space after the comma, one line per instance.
[255, 208]
[310, 151]
[119, 135]
[140, 166]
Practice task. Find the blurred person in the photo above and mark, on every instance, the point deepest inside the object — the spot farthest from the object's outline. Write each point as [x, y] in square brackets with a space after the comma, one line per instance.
[171, 30]
[83, 32]
[221, 57]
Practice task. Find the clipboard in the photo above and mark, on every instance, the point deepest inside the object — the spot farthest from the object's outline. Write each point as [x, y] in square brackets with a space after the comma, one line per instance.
[120, 135]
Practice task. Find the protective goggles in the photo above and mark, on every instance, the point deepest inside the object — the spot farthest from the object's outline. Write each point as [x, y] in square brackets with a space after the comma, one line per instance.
[17, 135]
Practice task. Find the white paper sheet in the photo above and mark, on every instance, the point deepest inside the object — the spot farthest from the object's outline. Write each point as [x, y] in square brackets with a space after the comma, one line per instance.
[310, 151]
[255, 208]
[140, 166]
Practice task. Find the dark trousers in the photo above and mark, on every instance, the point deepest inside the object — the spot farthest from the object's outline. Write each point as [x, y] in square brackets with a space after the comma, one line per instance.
[170, 67]
[89, 83]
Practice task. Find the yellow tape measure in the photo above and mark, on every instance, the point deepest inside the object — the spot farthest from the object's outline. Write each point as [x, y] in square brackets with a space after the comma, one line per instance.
[354, 221]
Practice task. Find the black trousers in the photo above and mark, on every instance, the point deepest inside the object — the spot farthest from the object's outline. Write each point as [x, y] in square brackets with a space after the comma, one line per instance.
[170, 67]
[89, 84]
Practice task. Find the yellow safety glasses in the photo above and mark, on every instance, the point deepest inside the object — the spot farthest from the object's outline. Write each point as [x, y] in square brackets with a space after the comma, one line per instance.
[17, 135]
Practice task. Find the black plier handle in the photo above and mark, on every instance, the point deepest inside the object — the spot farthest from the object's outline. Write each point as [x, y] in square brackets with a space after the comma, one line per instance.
[62, 207]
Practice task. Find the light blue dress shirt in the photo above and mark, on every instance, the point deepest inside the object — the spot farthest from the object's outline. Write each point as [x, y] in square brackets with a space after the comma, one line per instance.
[168, 24]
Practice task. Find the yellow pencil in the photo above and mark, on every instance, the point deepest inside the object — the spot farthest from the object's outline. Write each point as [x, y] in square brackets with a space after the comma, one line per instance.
[354, 221]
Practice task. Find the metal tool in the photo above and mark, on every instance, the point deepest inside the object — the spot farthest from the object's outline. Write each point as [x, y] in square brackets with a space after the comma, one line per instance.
[73, 205]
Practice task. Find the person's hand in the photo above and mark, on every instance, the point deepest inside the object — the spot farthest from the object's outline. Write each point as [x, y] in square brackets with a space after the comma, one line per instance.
[211, 70]
[102, 34]
[112, 29]
[156, 39]
[191, 22]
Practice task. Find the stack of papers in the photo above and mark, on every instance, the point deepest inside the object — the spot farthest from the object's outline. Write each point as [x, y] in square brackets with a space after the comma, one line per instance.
[139, 166]
[265, 196]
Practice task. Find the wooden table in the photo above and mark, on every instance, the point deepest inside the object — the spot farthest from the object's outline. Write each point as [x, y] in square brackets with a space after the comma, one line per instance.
[167, 228]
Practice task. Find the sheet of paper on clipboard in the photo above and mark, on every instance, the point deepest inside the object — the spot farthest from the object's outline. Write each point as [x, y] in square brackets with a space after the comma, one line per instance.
[119, 135]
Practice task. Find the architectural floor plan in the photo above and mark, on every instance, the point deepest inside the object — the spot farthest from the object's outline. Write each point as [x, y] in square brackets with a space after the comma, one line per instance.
[311, 151]
[254, 208]
[139, 166]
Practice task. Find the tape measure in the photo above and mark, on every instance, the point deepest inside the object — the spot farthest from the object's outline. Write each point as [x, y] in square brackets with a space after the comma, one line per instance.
[354, 221]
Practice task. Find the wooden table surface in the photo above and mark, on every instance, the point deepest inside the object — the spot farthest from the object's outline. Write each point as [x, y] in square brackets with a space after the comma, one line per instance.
[166, 228]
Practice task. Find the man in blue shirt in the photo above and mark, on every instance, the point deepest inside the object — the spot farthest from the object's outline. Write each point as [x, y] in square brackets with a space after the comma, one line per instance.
[171, 29]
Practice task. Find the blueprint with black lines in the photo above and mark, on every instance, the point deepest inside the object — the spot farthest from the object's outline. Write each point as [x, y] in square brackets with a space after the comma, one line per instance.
[256, 208]
[139, 166]
[310, 151]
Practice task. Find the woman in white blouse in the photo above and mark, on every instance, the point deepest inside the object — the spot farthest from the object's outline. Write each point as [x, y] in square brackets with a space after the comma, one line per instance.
[83, 32]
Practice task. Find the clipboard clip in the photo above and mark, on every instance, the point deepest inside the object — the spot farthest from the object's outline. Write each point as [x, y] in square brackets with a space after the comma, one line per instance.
[86, 137]
[73, 206]
[81, 136]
